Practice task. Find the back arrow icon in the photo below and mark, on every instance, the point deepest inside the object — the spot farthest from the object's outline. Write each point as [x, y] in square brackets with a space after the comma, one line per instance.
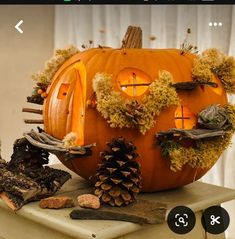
[17, 26]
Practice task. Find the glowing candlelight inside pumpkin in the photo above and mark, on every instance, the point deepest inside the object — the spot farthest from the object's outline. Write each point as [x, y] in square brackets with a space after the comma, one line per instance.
[133, 82]
[184, 118]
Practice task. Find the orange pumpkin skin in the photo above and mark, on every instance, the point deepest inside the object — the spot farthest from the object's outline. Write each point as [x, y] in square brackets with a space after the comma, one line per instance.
[63, 113]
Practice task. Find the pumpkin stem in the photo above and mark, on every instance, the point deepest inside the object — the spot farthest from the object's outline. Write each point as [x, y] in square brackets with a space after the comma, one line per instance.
[132, 38]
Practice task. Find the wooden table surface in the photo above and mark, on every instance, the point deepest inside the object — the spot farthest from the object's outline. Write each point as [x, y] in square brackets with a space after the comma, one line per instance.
[197, 196]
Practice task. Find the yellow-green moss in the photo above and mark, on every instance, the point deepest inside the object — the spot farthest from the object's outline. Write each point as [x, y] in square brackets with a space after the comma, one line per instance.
[109, 103]
[51, 67]
[231, 112]
[120, 112]
[212, 61]
[204, 155]
[226, 73]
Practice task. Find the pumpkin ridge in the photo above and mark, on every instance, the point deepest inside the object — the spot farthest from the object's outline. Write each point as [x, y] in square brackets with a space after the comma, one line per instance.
[57, 124]
[182, 74]
[95, 137]
[108, 63]
[48, 120]
[175, 72]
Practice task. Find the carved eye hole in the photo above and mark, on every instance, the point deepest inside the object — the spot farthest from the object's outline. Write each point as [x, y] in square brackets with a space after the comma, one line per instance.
[184, 118]
[133, 82]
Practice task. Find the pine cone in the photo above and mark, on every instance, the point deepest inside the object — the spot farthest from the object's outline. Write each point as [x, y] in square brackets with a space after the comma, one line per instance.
[118, 179]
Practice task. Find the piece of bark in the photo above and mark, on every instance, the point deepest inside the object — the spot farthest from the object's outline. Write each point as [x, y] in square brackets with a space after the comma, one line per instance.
[56, 202]
[88, 201]
[194, 134]
[18, 184]
[9, 201]
[190, 85]
[25, 178]
[142, 212]
[26, 156]
[20, 189]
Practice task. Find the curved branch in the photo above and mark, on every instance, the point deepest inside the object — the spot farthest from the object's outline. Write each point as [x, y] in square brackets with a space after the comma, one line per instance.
[55, 146]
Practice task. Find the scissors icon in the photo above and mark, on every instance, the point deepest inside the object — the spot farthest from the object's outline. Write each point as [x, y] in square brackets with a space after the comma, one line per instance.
[214, 220]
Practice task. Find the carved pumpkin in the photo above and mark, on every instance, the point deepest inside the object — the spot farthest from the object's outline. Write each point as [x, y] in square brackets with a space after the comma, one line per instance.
[66, 109]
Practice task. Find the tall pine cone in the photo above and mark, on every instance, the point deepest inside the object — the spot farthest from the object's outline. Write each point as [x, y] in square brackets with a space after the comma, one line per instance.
[118, 179]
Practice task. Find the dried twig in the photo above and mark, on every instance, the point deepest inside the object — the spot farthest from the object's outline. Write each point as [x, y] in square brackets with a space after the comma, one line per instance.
[30, 110]
[31, 121]
[190, 85]
[194, 134]
[53, 145]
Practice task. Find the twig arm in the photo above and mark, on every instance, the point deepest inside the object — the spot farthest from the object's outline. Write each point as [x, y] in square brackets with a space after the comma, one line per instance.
[34, 111]
[194, 134]
[55, 146]
[31, 121]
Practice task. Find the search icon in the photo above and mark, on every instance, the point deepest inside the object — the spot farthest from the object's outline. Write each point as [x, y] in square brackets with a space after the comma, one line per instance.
[181, 220]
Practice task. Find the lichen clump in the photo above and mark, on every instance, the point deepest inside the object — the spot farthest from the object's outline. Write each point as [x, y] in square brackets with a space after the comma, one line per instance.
[201, 153]
[204, 155]
[51, 66]
[213, 62]
[214, 117]
[231, 114]
[44, 78]
[121, 112]
[109, 102]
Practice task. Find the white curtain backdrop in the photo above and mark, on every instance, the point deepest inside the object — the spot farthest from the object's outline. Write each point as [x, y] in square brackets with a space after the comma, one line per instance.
[106, 25]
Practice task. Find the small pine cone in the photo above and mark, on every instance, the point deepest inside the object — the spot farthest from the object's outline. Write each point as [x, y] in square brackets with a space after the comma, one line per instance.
[118, 178]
